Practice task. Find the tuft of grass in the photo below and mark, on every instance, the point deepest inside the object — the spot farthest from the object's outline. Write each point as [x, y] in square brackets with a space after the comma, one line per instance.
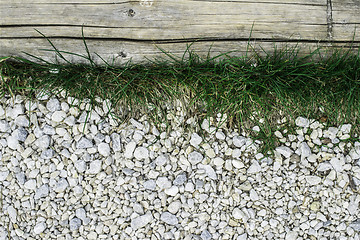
[251, 91]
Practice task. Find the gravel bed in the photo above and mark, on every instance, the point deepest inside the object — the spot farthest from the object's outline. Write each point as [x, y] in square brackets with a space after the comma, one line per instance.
[63, 179]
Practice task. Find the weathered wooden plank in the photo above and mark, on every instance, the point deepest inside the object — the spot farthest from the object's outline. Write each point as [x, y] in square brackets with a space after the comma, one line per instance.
[127, 30]
[165, 19]
[346, 20]
[142, 52]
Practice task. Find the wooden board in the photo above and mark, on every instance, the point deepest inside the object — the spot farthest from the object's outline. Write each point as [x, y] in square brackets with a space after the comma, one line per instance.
[135, 27]
[144, 52]
[346, 20]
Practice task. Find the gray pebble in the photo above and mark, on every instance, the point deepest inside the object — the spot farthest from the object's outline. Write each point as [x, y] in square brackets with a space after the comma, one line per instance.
[84, 143]
[116, 142]
[4, 126]
[20, 177]
[53, 105]
[4, 174]
[80, 166]
[150, 185]
[47, 154]
[22, 121]
[42, 191]
[20, 134]
[169, 218]
[205, 235]
[74, 224]
[180, 179]
[49, 130]
[195, 157]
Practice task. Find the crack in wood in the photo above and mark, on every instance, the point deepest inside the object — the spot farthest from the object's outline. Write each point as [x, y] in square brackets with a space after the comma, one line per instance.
[329, 19]
[191, 40]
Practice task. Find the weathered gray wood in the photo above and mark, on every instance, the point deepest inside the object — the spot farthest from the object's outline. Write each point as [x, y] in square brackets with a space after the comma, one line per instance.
[346, 20]
[143, 52]
[166, 19]
[131, 28]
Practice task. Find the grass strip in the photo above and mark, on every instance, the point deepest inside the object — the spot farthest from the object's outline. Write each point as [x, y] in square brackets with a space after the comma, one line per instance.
[260, 90]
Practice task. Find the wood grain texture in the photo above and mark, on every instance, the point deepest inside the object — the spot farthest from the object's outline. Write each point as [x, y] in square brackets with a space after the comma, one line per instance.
[133, 27]
[346, 19]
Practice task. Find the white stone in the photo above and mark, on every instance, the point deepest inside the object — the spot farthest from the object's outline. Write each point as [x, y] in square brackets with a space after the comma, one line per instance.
[47, 154]
[20, 134]
[278, 134]
[324, 166]
[172, 191]
[163, 182]
[355, 153]
[116, 142]
[245, 186]
[238, 164]
[2, 111]
[95, 167]
[74, 224]
[161, 160]
[43, 142]
[80, 166]
[169, 218]
[305, 150]
[174, 207]
[285, 151]
[141, 221]
[243, 236]
[237, 213]
[313, 180]
[210, 172]
[4, 126]
[302, 122]
[12, 214]
[104, 149]
[22, 121]
[42, 191]
[141, 153]
[150, 185]
[239, 141]
[84, 143]
[210, 153]
[218, 161]
[53, 105]
[3, 175]
[195, 157]
[81, 214]
[337, 164]
[292, 235]
[254, 167]
[220, 135]
[39, 228]
[129, 149]
[205, 235]
[58, 116]
[195, 140]
[12, 142]
[355, 225]
[253, 195]
[205, 125]
[345, 128]
[256, 129]
[30, 184]
[180, 179]
[262, 213]
[135, 123]
[61, 185]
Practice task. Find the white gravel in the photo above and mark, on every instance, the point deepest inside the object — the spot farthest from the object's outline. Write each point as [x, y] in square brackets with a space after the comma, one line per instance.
[63, 179]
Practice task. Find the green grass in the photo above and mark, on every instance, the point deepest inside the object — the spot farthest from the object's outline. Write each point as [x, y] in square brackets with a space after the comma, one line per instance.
[252, 91]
